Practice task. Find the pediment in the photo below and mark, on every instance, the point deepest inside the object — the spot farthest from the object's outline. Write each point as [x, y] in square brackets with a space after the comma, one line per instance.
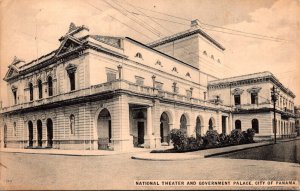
[68, 45]
[254, 90]
[12, 71]
[112, 41]
[237, 91]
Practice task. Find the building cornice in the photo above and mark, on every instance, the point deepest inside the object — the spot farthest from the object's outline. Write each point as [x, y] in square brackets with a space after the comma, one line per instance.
[65, 57]
[249, 79]
[185, 34]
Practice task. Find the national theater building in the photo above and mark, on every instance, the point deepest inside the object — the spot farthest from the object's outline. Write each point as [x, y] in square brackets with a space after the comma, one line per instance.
[115, 93]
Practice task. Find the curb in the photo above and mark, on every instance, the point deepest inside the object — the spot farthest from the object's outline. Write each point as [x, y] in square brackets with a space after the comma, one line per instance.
[69, 154]
[191, 157]
[237, 150]
[168, 159]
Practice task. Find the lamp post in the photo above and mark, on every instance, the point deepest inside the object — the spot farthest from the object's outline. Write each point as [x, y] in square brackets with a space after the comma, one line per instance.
[274, 97]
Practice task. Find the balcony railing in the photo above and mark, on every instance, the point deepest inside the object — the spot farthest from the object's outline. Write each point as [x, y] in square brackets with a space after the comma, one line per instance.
[110, 86]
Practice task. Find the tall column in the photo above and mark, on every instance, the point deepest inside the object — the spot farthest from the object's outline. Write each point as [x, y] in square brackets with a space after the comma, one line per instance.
[229, 123]
[156, 123]
[122, 140]
[149, 138]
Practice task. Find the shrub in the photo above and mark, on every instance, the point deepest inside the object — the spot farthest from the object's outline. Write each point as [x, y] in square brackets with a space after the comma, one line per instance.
[182, 142]
[224, 139]
[211, 139]
[179, 139]
[235, 137]
[249, 135]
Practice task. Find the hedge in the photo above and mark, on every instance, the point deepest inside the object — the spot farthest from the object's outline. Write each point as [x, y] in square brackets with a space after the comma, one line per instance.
[211, 139]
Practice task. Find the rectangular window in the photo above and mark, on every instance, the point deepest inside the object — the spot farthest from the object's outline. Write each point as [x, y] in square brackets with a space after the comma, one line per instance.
[72, 80]
[237, 100]
[175, 88]
[254, 98]
[111, 76]
[139, 80]
[159, 85]
[15, 97]
[189, 93]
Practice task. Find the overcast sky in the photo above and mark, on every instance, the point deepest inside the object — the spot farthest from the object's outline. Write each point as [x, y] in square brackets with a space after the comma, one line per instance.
[22, 20]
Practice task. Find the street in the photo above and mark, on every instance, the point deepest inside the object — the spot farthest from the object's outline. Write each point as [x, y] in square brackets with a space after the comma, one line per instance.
[37, 171]
[282, 152]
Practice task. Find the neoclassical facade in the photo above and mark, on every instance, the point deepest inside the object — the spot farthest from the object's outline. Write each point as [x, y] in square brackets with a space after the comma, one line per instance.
[115, 93]
[252, 106]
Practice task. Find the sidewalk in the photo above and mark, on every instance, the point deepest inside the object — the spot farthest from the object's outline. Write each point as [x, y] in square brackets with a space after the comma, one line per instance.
[144, 154]
[71, 152]
[201, 153]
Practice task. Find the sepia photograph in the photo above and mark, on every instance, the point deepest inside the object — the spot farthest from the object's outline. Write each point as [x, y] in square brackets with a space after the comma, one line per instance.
[149, 95]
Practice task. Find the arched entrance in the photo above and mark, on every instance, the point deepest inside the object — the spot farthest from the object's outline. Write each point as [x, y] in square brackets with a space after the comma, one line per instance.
[5, 136]
[183, 123]
[49, 132]
[164, 128]
[104, 130]
[39, 133]
[198, 125]
[30, 133]
[211, 123]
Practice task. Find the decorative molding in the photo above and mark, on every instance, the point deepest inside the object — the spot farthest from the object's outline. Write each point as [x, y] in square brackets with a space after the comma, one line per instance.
[237, 91]
[254, 89]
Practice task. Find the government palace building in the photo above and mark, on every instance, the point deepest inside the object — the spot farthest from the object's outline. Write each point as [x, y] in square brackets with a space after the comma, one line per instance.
[115, 93]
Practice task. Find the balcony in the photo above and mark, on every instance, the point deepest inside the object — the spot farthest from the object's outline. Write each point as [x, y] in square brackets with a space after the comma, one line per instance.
[252, 106]
[113, 86]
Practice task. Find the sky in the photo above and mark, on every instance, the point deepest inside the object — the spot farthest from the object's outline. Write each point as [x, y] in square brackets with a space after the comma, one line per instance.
[31, 28]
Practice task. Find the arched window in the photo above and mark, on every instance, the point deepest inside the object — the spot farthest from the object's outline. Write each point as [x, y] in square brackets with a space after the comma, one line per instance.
[255, 125]
[72, 124]
[138, 55]
[183, 123]
[40, 88]
[238, 125]
[50, 86]
[174, 69]
[188, 74]
[158, 62]
[204, 53]
[30, 91]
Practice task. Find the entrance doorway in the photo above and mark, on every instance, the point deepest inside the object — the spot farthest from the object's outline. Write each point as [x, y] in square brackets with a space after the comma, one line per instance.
[104, 129]
[49, 132]
[40, 133]
[224, 124]
[164, 128]
[30, 134]
[198, 126]
[141, 132]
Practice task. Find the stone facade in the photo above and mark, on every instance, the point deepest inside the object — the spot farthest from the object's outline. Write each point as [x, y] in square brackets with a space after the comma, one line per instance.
[98, 92]
[249, 96]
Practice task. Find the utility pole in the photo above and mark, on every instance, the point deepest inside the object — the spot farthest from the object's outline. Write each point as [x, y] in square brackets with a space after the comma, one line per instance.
[274, 99]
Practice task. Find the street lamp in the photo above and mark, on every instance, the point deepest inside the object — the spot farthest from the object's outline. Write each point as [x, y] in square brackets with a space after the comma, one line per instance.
[274, 96]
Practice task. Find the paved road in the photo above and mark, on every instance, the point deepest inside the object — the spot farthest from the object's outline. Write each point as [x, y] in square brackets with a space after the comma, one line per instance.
[35, 171]
[283, 152]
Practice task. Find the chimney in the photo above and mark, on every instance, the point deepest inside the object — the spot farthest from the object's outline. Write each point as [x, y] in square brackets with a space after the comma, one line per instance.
[195, 23]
